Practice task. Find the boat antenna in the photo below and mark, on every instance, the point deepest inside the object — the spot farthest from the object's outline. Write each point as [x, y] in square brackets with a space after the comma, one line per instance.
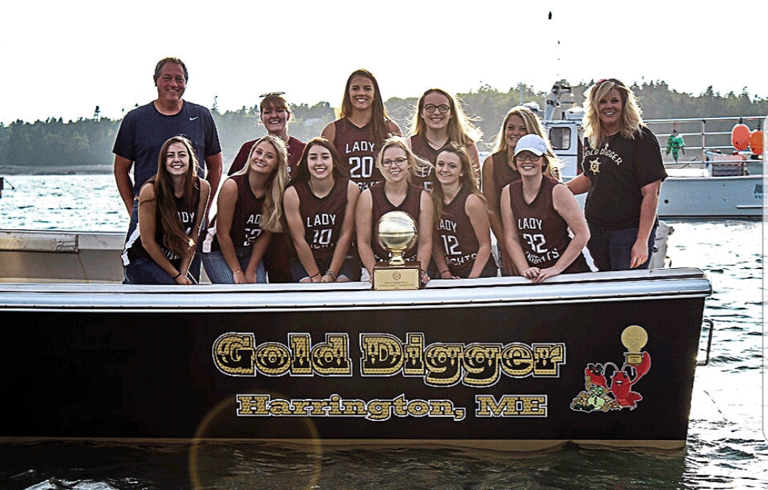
[550, 16]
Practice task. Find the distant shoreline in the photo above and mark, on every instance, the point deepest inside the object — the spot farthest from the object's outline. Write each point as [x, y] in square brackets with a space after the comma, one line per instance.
[56, 170]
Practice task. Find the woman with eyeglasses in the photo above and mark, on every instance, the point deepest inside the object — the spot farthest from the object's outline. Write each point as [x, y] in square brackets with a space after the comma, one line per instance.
[274, 114]
[396, 162]
[362, 127]
[320, 210]
[537, 212]
[499, 170]
[440, 120]
[462, 246]
[622, 175]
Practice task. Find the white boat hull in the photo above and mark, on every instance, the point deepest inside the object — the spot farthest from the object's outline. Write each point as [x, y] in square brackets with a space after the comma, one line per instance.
[712, 197]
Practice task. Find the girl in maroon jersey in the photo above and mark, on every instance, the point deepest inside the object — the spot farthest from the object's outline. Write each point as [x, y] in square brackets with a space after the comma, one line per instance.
[499, 170]
[249, 211]
[320, 210]
[439, 120]
[361, 129]
[397, 163]
[172, 205]
[537, 212]
[462, 247]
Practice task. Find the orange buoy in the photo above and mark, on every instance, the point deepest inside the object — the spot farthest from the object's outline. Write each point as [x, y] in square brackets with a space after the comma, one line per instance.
[740, 137]
[756, 142]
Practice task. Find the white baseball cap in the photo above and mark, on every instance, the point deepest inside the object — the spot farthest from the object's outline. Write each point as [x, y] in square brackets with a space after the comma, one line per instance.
[533, 143]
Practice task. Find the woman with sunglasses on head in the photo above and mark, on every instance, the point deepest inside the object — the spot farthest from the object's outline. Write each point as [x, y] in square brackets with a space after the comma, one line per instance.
[397, 163]
[249, 212]
[537, 212]
[499, 171]
[361, 129]
[274, 114]
[462, 247]
[172, 205]
[320, 210]
[622, 175]
[438, 121]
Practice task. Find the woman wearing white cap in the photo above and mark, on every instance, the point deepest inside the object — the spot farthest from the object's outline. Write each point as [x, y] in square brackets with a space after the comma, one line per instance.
[498, 171]
[536, 212]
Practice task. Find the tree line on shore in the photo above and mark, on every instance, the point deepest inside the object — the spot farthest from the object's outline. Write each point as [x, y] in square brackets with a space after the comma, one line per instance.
[87, 143]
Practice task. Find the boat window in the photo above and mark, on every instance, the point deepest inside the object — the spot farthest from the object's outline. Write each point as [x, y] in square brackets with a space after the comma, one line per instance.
[560, 137]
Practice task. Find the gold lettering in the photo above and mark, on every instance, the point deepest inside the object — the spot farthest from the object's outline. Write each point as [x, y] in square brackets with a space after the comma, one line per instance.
[548, 359]
[517, 360]
[414, 361]
[273, 359]
[252, 404]
[482, 364]
[233, 354]
[511, 406]
[382, 355]
[443, 364]
[300, 363]
[280, 407]
[331, 358]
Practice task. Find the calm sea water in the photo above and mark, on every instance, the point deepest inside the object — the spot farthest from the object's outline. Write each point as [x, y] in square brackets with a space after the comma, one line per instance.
[726, 447]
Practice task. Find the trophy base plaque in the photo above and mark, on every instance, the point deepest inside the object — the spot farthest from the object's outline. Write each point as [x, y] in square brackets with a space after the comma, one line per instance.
[388, 277]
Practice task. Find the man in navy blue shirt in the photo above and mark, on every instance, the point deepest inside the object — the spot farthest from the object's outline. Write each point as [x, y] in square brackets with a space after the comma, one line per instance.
[144, 130]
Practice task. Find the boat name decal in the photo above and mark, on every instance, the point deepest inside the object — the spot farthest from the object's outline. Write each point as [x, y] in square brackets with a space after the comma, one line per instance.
[379, 410]
[440, 364]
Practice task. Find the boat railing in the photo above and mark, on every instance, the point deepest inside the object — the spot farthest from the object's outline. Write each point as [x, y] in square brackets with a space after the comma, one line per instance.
[702, 137]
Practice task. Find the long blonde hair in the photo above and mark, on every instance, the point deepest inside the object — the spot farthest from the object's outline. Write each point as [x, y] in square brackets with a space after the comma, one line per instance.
[272, 211]
[399, 142]
[460, 127]
[631, 114]
[533, 125]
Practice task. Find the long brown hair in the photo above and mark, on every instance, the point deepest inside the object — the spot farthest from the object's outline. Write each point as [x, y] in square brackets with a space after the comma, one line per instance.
[379, 116]
[174, 236]
[467, 178]
[302, 168]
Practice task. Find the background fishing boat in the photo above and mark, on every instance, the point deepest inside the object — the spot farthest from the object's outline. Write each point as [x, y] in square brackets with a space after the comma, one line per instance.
[708, 177]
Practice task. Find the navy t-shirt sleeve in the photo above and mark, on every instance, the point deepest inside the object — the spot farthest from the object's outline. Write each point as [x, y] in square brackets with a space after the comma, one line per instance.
[126, 134]
[212, 145]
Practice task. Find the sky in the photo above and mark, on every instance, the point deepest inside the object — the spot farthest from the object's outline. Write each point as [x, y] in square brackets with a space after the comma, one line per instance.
[62, 59]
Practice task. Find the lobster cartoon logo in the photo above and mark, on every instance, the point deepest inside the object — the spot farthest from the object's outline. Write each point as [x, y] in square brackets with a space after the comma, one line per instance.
[606, 387]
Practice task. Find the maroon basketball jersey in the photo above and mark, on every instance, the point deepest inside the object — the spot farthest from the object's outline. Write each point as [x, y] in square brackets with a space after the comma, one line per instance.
[322, 217]
[502, 172]
[543, 232]
[246, 220]
[422, 149]
[357, 150]
[458, 236]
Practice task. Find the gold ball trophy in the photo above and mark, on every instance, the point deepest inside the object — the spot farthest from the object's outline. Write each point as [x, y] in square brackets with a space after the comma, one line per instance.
[396, 231]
